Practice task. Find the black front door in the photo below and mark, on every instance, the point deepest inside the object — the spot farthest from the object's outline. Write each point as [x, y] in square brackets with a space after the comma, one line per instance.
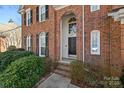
[72, 45]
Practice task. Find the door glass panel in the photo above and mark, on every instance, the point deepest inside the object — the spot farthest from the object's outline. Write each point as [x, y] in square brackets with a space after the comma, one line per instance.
[72, 45]
[72, 28]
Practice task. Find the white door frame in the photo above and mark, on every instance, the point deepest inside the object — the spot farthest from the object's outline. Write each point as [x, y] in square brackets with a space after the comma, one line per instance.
[61, 42]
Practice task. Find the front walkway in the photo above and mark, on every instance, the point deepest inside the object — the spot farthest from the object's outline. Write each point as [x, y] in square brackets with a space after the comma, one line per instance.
[57, 81]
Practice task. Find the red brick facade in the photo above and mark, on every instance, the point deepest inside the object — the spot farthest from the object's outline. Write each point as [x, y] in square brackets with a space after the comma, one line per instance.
[111, 33]
[36, 27]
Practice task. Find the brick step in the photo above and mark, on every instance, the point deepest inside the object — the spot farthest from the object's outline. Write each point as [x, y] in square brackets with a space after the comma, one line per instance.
[64, 68]
[63, 73]
[64, 64]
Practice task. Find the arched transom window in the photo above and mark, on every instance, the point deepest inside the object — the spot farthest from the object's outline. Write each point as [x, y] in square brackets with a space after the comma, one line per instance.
[72, 25]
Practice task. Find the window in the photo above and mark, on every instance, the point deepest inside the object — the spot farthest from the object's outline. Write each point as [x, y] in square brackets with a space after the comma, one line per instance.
[28, 43]
[43, 44]
[28, 17]
[72, 25]
[43, 13]
[95, 42]
[94, 8]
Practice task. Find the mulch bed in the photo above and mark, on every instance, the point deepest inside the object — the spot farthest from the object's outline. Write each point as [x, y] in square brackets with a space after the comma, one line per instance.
[83, 85]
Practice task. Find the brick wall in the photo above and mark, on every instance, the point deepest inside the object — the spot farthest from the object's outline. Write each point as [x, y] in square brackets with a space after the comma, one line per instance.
[97, 20]
[52, 25]
[110, 33]
[37, 27]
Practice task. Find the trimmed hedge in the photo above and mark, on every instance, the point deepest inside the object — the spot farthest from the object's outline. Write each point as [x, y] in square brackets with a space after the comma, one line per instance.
[11, 48]
[23, 73]
[9, 56]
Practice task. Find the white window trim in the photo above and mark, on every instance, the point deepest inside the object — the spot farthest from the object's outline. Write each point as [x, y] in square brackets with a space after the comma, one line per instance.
[41, 35]
[92, 9]
[40, 13]
[28, 42]
[98, 43]
[28, 17]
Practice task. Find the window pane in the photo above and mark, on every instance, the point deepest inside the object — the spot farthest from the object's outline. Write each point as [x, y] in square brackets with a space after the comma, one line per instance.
[43, 50]
[42, 43]
[43, 13]
[95, 7]
[43, 10]
[95, 42]
[28, 18]
[72, 28]
[43, 16]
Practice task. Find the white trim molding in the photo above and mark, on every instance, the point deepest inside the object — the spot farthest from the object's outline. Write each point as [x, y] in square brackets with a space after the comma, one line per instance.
[57, 7]
[28, 17]
[118, 15]
[21, 10]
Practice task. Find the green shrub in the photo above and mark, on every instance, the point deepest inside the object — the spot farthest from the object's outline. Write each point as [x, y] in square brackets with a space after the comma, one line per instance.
[11, 48]
[7, 57]
[77, 71]
[23, 73]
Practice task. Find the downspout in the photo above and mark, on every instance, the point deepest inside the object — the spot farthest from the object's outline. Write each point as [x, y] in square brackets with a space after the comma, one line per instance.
[55, 44]
[83, 29]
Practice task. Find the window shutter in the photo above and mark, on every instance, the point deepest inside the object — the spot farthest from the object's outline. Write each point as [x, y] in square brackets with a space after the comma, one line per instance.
[24, 18]
[37, 44]
[31, 16]
[47, 44]
[37, 14]
[47, 11]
